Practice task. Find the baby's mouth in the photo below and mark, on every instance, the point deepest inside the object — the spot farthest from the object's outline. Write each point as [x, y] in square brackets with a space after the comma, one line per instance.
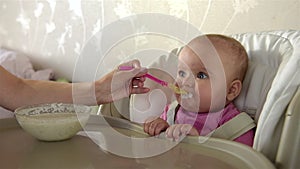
[186, 95]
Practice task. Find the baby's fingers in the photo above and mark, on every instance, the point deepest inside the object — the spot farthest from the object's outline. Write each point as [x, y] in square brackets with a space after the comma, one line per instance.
[154, 128]
[185, 129]
[146, 127]
[173, 132]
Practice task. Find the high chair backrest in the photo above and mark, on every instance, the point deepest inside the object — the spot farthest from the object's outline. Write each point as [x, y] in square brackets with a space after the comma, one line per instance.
[267, 55]
[269, 85]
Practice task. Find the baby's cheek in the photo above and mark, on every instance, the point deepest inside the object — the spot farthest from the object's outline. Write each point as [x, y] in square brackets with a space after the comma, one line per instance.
[204, 99]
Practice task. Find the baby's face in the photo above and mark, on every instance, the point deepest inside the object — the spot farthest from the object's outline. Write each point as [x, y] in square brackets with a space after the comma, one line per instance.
[204, 80]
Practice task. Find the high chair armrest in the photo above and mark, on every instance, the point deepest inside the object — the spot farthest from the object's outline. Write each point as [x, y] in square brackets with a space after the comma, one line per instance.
[288, 151]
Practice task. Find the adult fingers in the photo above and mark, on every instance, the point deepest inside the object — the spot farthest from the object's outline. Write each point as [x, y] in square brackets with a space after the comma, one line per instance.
[140, 90]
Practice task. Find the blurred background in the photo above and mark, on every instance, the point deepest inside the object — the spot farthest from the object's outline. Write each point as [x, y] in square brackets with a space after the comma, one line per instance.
[53, 33]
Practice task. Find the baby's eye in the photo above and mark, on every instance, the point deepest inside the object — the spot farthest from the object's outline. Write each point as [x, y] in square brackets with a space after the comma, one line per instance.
[202, 75]
[181, 73]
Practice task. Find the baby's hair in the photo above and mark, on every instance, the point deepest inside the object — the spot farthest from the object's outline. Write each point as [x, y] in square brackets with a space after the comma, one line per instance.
[236, 50]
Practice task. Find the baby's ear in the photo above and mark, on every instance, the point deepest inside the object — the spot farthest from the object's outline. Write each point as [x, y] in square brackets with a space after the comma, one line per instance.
[234, 90]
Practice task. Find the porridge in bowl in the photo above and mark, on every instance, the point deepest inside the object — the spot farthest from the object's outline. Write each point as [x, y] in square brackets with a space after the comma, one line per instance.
[53, 122]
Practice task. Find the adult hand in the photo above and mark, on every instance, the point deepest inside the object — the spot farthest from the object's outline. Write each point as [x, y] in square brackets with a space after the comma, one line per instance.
[121, 83]
[155, 127]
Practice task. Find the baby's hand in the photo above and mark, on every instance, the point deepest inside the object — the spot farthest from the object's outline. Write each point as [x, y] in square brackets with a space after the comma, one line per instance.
[155, 127]
[177, 130]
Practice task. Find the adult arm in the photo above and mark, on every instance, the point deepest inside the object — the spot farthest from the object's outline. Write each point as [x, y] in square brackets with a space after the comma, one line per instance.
[16, 92]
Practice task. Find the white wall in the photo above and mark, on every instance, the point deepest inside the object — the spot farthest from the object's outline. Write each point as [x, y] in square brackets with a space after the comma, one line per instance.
[54, 33]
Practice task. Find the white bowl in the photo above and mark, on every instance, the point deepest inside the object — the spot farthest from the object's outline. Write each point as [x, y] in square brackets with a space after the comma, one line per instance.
[53, 122]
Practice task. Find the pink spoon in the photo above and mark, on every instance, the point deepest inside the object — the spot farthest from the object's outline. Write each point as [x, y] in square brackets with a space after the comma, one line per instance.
[157, 80]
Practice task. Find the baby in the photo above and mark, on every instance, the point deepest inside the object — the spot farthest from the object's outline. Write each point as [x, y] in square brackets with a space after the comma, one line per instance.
[211, 69]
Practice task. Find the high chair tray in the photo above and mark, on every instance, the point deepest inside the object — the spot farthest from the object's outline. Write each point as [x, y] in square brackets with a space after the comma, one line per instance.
[20, 150]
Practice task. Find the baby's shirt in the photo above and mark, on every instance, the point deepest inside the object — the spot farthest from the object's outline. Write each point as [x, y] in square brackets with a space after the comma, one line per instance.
[207, 122]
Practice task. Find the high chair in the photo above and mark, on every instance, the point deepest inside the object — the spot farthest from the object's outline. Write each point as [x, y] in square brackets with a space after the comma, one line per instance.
[270, 93]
